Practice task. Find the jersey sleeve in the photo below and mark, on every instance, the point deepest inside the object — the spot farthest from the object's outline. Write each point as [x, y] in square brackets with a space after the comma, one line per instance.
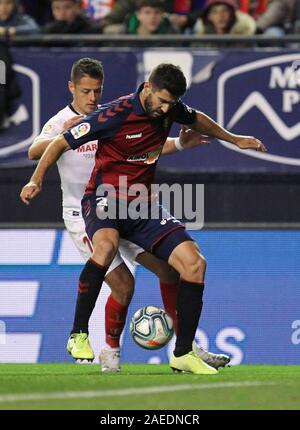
[102, 123]
[50, 130]
[184, 114]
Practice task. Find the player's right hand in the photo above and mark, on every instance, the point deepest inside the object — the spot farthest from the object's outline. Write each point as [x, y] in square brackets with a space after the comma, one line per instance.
[72, 121]
[29, 192]
[191, 138]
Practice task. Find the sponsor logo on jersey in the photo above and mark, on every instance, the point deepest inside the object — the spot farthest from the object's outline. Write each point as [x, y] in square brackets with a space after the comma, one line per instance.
[80, 130]
[147, 158]
[134, 136]
[88, 147]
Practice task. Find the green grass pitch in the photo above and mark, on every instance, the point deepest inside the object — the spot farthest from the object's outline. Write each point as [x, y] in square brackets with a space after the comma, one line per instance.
[82, 386]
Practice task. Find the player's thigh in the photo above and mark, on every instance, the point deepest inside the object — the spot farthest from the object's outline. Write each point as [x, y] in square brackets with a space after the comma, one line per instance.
[102, 232]
[149, 232]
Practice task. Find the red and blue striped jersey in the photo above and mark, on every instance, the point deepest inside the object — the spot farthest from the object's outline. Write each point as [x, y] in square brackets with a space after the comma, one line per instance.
[130, 141]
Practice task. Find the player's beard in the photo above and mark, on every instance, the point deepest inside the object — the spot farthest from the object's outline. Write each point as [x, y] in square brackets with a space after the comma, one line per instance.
[153, 113]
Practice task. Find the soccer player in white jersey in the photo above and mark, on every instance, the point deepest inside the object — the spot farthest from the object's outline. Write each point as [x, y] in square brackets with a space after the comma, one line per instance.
[75, 168]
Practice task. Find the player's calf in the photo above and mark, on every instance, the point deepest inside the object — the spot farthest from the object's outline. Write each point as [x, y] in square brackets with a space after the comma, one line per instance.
[121, 283]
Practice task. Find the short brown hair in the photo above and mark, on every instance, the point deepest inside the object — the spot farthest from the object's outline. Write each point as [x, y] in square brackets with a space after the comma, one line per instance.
[87, 66]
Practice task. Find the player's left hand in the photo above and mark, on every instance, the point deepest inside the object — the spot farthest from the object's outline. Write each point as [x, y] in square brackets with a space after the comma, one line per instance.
[190, 138]
[250, 142]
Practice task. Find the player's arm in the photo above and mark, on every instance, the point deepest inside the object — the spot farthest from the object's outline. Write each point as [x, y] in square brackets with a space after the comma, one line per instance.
[206, 125]
[187, 139]
[85, 131]
[38, 147]
[50, 156]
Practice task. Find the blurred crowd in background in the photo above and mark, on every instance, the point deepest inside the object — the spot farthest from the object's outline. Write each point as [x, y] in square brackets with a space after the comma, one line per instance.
[273, 18]
[146, 17]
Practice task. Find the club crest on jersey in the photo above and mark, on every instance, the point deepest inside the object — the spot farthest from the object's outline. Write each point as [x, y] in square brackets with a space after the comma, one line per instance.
[48, 129]
[80, 130]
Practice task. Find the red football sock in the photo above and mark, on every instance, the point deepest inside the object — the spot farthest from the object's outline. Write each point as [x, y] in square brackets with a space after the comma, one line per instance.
[115, 318]
[169, 297]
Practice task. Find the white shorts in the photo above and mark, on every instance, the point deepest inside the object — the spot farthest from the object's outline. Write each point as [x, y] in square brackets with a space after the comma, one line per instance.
[127, 249]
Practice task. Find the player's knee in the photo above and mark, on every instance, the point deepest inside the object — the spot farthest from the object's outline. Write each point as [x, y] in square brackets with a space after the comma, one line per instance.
[202, 263]
[194, 270]
[105, 249]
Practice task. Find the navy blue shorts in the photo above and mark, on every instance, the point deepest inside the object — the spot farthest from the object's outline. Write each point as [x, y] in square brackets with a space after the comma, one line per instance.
[159, 235]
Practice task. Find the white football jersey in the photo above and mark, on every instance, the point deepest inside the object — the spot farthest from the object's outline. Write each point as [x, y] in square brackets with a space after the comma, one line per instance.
[75, 167]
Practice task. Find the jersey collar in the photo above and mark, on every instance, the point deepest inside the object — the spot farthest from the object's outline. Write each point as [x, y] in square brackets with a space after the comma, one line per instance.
[72, 109]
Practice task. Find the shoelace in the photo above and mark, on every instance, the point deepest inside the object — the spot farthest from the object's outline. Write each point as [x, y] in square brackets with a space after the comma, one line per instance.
[209, 357]
[111, 354]
[81, 337]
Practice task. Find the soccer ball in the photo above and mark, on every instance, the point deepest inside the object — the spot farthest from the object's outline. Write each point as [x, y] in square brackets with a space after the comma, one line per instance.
[151, 327]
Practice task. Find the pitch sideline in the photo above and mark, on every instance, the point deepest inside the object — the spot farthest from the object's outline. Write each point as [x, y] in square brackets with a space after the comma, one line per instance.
[126, 391]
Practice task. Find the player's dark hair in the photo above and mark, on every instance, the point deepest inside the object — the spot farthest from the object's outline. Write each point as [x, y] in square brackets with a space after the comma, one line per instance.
[157, 4]
[87, 67]
[73, 1]
[168, 77]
